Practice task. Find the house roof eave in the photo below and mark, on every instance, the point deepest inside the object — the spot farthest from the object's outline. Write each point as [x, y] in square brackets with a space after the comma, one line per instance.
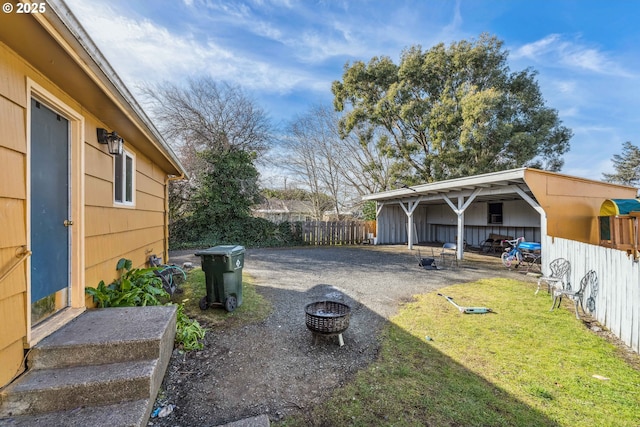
[122, 111]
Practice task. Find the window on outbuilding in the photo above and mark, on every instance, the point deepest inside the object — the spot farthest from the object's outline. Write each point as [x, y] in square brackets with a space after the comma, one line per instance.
[124, 174]
[494, 213]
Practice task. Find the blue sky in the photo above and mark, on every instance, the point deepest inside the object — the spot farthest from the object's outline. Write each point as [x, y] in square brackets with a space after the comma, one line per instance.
[285, 53]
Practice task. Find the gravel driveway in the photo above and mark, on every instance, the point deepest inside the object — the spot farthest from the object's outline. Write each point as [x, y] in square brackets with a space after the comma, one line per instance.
[274, 367]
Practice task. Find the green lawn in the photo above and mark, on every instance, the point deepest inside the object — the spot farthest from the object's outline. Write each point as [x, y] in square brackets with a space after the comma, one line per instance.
[520, 366]
[254, 307]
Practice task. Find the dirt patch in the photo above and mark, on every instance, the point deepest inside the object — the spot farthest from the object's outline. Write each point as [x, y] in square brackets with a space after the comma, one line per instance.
[274, 367]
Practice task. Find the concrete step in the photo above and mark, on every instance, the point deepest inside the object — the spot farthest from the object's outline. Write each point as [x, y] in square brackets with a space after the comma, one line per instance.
[108, 335]
[102, 369]
[128, 414]
[49, 390]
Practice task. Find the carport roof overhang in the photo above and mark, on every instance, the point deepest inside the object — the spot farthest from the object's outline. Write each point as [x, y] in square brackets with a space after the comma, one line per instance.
[459, 193]
[503, 185]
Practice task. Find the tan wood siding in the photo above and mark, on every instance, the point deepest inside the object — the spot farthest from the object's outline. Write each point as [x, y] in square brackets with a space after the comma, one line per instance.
[114, 231]
[99, 164]
[15, 282]
[149, 202]
[116, 244]
[12, 70]
[12, 218]
[12, 313]
[572, 204]
[147, 185]
[98, 192]
[145, 166]
[11, 357]
[106, 221]
[12, 137]
[13, 193]
[12, 174]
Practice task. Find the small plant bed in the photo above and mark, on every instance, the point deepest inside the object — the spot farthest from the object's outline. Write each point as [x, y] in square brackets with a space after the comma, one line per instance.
[519, 366]
[254, 307]
[142, 287]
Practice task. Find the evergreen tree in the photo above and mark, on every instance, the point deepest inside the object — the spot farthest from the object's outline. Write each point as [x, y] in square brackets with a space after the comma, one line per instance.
[626, 165]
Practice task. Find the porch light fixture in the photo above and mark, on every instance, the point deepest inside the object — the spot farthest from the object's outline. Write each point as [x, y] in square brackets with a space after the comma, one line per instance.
[113, 141]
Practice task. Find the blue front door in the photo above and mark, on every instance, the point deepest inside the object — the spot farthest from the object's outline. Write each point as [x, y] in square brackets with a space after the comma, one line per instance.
[49, 211]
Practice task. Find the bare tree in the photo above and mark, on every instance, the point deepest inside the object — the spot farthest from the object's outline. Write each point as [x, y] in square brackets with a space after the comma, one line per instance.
[307, 152]
[365, 164]
[343, 168]
[205, 114]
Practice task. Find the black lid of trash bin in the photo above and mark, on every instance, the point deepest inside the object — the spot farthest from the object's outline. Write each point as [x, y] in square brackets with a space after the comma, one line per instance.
[227, 250]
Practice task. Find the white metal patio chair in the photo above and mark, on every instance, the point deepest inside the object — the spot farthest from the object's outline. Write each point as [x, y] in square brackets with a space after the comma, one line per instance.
[559, 275]
[589, 279]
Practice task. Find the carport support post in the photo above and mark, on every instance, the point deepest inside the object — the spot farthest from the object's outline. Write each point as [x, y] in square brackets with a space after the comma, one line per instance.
[462, 206]
[411, 206]
[543, 226]
[379, 207]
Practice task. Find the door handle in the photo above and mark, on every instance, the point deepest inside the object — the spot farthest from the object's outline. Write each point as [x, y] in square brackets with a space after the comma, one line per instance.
[68, 222]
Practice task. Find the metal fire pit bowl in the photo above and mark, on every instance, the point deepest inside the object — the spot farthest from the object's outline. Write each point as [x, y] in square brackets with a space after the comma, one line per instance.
[327, 318]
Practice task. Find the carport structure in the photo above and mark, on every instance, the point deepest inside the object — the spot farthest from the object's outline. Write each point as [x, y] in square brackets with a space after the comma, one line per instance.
[530, 202]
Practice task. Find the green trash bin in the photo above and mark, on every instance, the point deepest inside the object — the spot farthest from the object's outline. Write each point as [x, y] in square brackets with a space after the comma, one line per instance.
[222, 266]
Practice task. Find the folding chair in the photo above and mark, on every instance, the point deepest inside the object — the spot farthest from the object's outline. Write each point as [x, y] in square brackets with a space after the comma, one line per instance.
[449, 250]
[426, 263]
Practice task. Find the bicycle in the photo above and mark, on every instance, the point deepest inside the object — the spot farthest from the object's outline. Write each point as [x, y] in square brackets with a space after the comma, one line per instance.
[512, 254]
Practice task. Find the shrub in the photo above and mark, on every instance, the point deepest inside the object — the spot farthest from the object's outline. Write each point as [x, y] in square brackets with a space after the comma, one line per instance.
[246, 231]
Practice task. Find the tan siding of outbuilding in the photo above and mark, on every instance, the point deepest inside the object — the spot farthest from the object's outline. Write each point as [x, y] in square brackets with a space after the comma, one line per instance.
[572, 204]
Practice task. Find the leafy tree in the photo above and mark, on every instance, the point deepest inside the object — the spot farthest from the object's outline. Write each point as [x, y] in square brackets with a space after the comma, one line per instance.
[451, 112]
[227, 188]
[219, 134]
[369, 210]
[627, 166]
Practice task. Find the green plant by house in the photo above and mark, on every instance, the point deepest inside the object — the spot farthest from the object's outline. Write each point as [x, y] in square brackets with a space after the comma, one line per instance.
[138, 287]
[135, 287]
[189, 333]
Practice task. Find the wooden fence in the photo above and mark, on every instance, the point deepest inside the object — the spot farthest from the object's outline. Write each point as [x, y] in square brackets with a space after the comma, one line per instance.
[615, 303]
[337, 232]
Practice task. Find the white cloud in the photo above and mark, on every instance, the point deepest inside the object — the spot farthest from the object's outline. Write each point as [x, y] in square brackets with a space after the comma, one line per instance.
[142, 51]
[554, 49]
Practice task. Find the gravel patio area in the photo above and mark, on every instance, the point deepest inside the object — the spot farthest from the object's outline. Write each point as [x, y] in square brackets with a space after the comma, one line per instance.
[274, 367]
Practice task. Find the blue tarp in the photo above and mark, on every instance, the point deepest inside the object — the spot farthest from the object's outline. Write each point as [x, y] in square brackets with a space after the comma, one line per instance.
[530, 246]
